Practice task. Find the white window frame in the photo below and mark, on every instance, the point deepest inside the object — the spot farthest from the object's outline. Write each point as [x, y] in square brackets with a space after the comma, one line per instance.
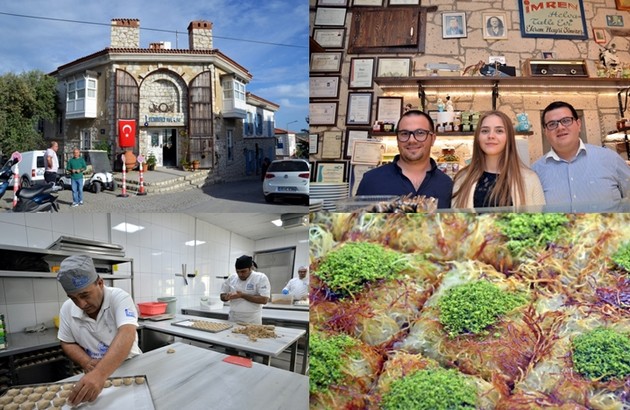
[230, 145]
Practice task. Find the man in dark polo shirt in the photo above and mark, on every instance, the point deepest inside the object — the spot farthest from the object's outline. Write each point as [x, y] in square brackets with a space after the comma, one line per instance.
[413, 170]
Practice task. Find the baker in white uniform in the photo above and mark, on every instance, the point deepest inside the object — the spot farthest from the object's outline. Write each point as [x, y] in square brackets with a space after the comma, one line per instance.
[247, 291]
[97, 326]
[298, 287]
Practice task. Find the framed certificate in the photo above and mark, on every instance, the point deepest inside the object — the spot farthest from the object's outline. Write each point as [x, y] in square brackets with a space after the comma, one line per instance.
[330, 37]
[326, 62]
[341, 3]
[389, 109]
[332, 171]
[331, 144]
[404, 2]
[359, 109]
[324, 87]
[351, 136]
[329, 16]
[367, 152]
[393, 67]
[322, 113]
[313, 143]
[361, 73]
[377, 3]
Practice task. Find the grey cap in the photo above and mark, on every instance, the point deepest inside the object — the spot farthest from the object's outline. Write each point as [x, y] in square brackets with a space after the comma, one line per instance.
[76, 272]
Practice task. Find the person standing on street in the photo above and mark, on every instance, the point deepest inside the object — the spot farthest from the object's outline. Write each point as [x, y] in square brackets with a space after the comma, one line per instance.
[76, 165]
[246, 290]
[51, 163]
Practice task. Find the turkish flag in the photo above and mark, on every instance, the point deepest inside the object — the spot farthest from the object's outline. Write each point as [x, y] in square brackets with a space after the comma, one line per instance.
[127, 133]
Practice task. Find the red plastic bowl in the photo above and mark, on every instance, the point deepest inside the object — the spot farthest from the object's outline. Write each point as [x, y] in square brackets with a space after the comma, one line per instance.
[152, 308]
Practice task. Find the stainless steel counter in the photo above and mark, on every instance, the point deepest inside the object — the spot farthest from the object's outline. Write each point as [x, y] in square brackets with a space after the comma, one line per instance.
[284, 306]
[22, 342]
[196, 378]
[267, 348]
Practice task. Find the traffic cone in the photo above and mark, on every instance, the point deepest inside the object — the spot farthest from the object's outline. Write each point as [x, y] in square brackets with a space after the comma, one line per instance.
[141, 189]
[123, 194]
[16, 185]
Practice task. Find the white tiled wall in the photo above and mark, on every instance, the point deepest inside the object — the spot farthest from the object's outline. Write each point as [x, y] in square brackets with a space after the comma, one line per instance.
[158, 252]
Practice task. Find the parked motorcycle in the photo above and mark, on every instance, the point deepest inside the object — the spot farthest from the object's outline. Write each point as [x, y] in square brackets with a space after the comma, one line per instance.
[37, 199]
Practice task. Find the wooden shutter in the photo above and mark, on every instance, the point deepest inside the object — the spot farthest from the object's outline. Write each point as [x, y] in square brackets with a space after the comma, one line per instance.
[127, 96]
[201, 129]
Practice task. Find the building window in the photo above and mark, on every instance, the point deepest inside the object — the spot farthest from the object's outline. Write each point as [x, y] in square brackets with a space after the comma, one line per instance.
[81, 97]
[249, 124]
[233, 89]
[259, 124]
[86, 140]
[230, 145]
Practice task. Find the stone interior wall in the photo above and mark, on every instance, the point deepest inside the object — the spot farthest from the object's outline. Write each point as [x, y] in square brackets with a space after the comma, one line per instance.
[601, 109]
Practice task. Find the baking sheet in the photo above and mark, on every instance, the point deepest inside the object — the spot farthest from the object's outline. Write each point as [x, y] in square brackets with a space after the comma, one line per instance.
[135, 396]
[189, 324]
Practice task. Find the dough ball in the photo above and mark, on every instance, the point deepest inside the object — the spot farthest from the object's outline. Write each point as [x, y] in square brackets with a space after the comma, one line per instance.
[59, 401]
[13, 392]
[11, 406]
[27, 390]
[108, 383]
[117, 382]
[170, 350]
[54, 387]
[54, 408]
[20, 398]
[6, 400]
[27, 405]
[65, 393]
[128, 381]
[140, 380]
[34, 396]
[68, 386]
[49, 395]
[43, 404]
[40, 389]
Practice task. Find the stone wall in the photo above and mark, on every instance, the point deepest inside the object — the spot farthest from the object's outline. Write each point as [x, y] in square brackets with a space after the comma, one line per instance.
[125, 33]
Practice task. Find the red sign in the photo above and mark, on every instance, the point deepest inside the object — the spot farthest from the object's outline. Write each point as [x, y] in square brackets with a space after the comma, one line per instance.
[127, 133]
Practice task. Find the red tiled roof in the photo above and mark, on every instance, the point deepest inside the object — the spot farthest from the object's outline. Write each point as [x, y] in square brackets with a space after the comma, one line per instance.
[252, 95]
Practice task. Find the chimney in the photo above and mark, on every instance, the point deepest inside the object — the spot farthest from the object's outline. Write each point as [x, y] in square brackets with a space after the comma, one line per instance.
[125, 33]
[200, 35]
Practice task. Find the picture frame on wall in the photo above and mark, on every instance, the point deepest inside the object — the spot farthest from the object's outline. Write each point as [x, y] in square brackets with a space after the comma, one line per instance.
[454, 25]
[548, 22]
[326, 62]
[495, 26]
[359, 109]
[323, 113]
[330, 16]
[324, 87]
[614, 20]
[330, 37]
[548, 55]
[389, 109]
[393, 67]
[333, 3]
[313, 143]
[353, 135]
[332, 171]
[599, 35]
[369, 3]
[361, 73]
[403, 2]
[331, 144]
[622, 4]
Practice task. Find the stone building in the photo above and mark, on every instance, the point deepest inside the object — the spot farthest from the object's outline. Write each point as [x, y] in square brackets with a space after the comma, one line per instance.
[188, 104]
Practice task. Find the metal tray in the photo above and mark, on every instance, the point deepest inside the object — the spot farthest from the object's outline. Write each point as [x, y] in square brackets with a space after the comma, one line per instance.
[189, 325]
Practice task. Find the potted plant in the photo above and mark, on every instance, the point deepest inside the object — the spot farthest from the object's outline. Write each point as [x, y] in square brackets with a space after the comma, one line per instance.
[151, 161]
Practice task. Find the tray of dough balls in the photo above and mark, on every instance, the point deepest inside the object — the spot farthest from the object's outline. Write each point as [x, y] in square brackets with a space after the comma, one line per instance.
[119, 393]
[205, 325]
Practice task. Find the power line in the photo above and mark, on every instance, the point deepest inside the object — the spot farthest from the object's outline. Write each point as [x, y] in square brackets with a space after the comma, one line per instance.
[144, 28]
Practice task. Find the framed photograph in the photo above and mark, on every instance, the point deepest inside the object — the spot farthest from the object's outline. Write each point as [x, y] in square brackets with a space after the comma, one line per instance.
[326, 62]
[313, 143]
[339, 3]
[372, 3]
[389, 109]
[324, 87]
[332, 171]
[322, 113]
[361, 73]
[359, 109]
[614, 21]
[351, 137]
[331, 144]
[404, 2]
[546, 22]
[393, 67]
[622, 4]
[330, 37]
[330, 16]
[599, 35]
[454, 25]
[548, 55]
[494, 26]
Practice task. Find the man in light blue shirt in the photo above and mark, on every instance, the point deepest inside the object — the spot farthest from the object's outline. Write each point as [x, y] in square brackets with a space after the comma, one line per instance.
[583, 176]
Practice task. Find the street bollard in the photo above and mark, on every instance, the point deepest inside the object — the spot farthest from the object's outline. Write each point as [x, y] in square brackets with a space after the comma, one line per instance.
[123, 194]
[16, 185]
[141, 189]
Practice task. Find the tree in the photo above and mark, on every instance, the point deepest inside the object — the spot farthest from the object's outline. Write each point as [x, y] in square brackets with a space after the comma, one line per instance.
[26, 101]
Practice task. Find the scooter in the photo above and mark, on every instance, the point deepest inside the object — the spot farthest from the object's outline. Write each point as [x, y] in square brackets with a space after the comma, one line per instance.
[36, 199]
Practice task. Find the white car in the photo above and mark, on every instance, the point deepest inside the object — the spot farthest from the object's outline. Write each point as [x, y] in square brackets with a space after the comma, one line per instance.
[287, 178]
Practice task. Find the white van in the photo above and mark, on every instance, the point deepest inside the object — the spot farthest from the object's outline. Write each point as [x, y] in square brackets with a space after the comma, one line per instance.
[31, 168]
